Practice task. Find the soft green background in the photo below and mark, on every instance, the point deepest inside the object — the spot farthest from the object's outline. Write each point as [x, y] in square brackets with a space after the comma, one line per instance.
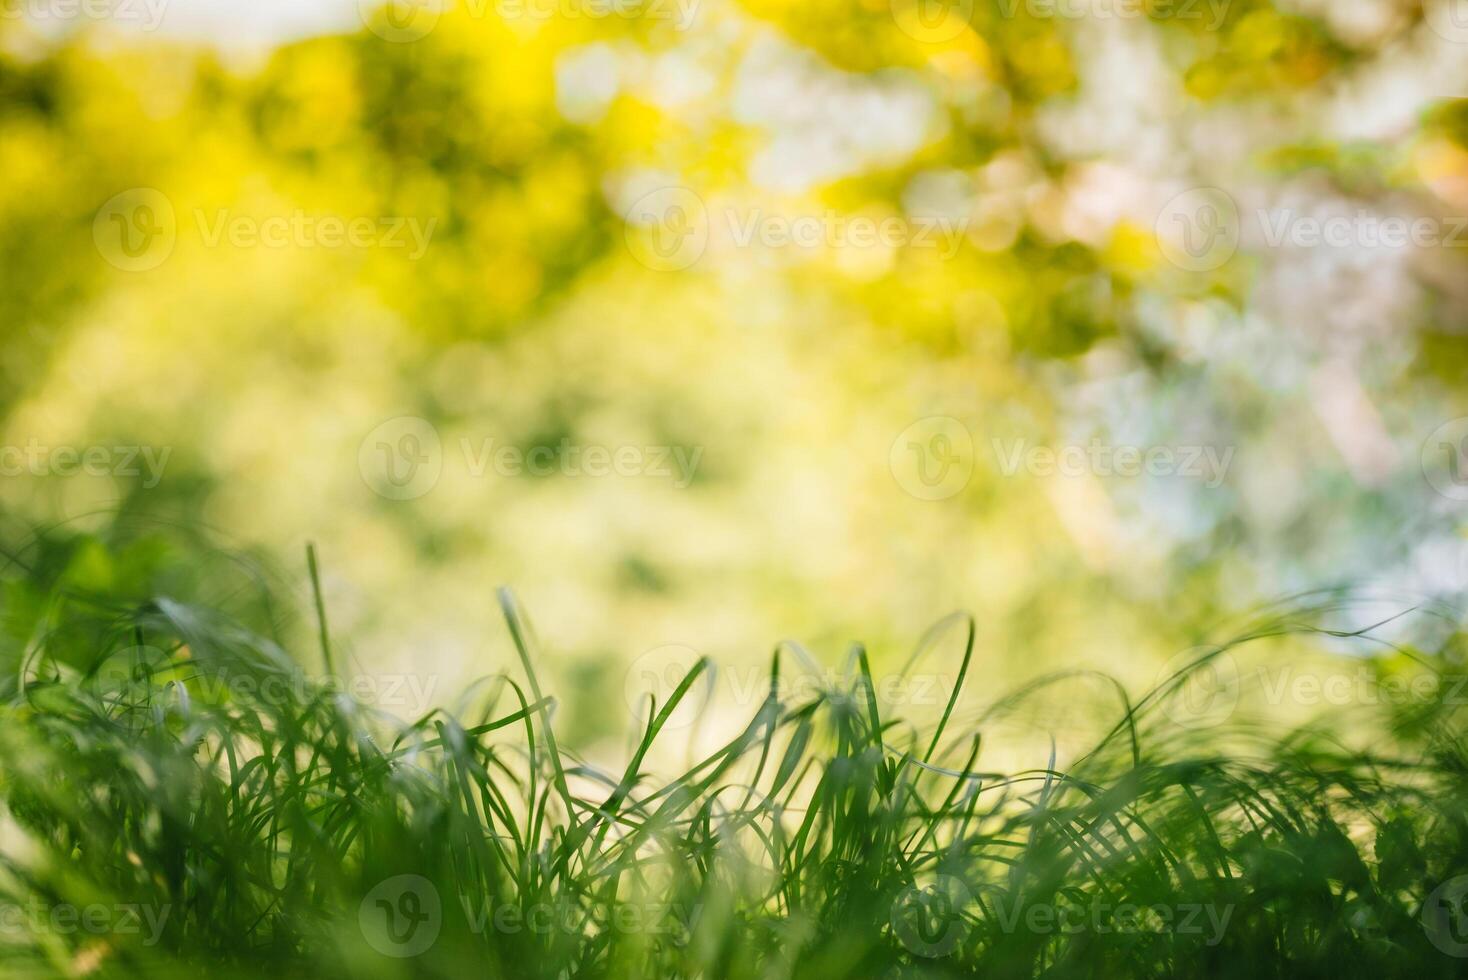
[536, 316]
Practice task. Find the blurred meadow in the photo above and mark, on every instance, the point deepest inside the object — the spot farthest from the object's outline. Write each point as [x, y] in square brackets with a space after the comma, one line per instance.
[707, 323]
[987, 479]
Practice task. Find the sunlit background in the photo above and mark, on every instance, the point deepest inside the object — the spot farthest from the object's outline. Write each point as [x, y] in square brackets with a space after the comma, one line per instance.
[704, 324]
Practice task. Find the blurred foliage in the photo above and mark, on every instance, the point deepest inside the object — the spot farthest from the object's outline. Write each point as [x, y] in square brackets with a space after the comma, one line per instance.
[528, 318]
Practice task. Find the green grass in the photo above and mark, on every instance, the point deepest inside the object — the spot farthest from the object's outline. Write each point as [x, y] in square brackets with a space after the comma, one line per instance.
[181, 799]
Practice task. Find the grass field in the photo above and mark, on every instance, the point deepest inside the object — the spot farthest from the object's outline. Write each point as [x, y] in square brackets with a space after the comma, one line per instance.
[184, 797]
[795, 489]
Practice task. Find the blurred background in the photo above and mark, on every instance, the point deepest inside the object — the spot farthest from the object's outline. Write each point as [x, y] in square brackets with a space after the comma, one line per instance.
[707, 323]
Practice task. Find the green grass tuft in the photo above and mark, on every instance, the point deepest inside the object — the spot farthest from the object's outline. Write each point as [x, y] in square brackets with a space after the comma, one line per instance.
[180, 799]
